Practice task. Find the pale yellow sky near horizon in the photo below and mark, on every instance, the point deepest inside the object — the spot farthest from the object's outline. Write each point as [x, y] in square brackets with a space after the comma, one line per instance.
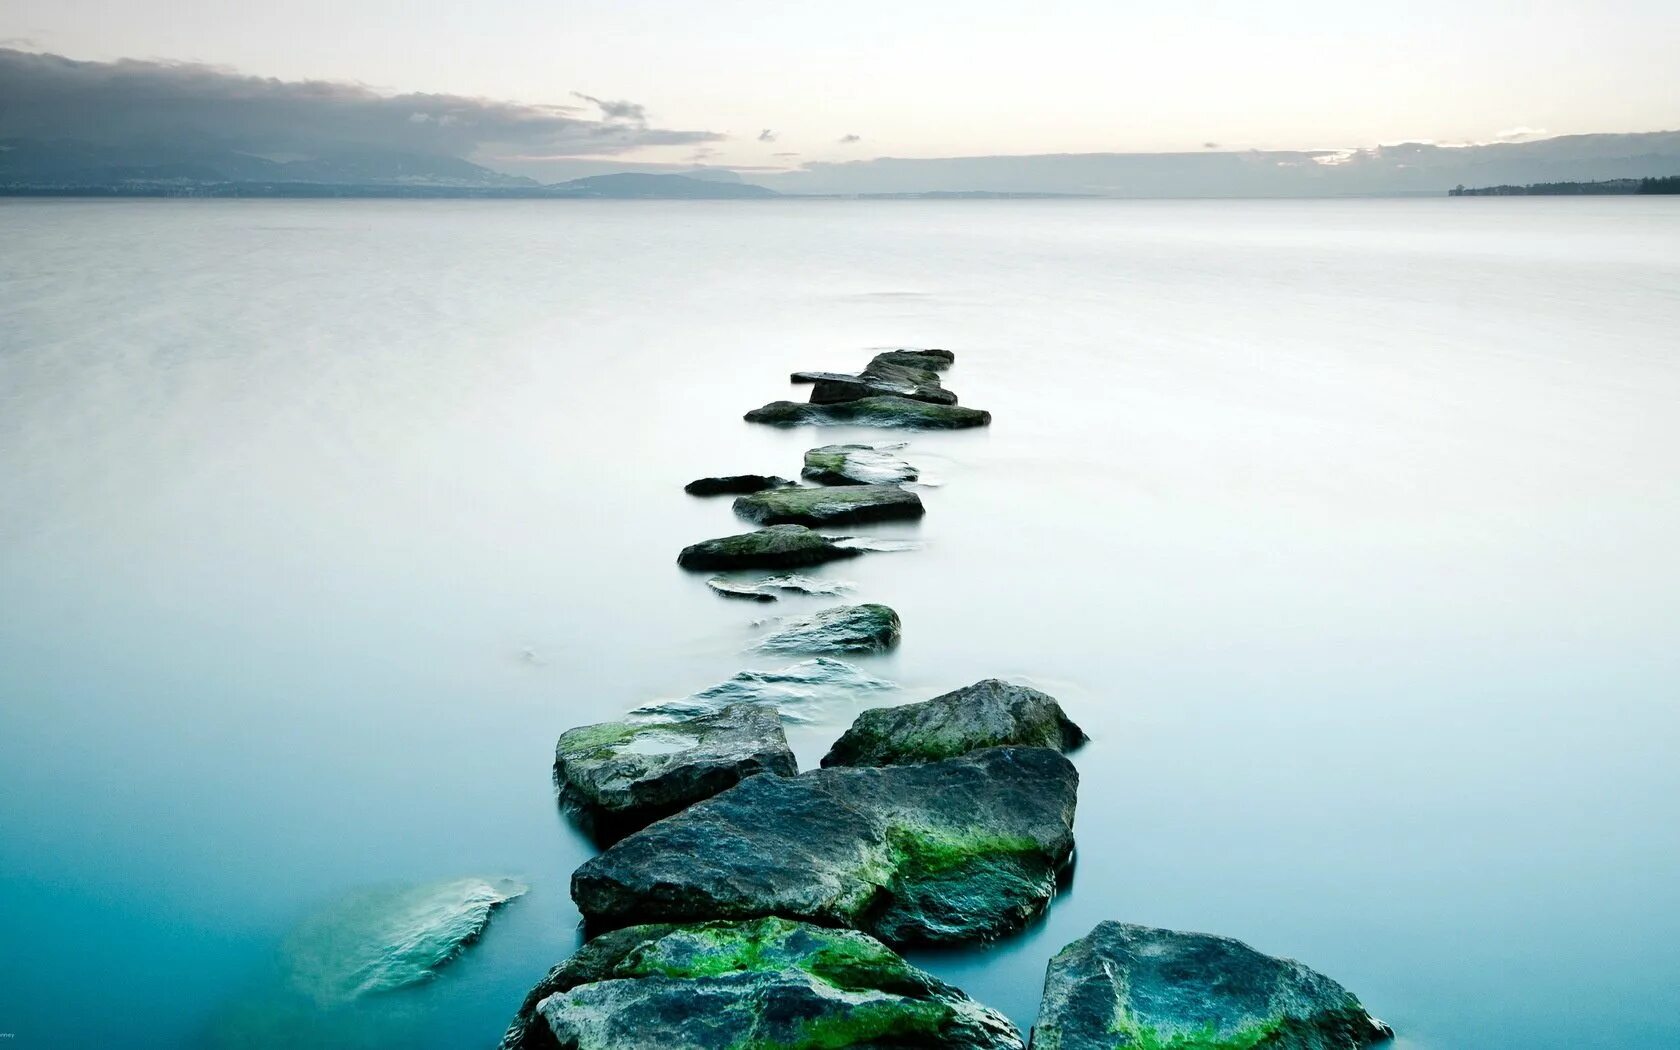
[928, 80]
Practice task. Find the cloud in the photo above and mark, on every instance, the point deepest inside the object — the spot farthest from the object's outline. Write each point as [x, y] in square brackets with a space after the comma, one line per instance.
[1519, 133]
[784, 154]
[1210, 145]
[135, 102]
[629, 112]
[767, 135]
[847, 140]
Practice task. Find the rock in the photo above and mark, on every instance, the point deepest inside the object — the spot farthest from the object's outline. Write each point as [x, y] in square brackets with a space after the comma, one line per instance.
[778, 547]
[986, 714]
[754, 985]
[870, 628]
[916, 384]
[618, 777]
[872, 412]
[771, 588]
[802, 692]
[961, 850]
[1144, 988]
[389, 938]
[830, 505]
[734, 484]
[927, 360]
[856, 465]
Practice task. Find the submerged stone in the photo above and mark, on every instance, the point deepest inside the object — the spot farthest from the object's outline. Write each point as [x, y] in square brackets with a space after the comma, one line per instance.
[830, 505]
[389, 938]
[869, 628]
[989, 713]
[1141, 988]
[763, 983]
[961, 850]
[617, 777]
[734, 484]
[777, 547]
[802, 692]
[771, 588]
[882, 411]
[856, 465]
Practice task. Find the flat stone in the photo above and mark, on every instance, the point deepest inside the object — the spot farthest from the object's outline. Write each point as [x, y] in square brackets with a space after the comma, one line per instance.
[901, 412]
[830, 505]
[803, 692]
[777, 547]
[856, 465]
[927, 360]
[943, 852]
[753, 985]
[618, 777]
[832, 387]
[1145, 988]
[869, 628]
[770, 588]
[989, 713]
[751, 592]
[734, 484]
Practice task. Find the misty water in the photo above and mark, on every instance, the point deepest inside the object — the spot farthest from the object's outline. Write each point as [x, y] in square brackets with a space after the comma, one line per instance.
[1346, 529]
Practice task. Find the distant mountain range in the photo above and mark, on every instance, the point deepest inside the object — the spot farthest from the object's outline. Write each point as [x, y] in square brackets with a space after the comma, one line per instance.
[203, 168]
[69, 167]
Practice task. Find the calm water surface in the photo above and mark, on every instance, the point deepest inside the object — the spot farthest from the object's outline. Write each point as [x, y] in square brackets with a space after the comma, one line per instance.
[1347, 529]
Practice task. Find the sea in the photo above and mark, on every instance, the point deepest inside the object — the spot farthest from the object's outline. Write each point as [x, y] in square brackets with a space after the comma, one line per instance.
[1347, 529]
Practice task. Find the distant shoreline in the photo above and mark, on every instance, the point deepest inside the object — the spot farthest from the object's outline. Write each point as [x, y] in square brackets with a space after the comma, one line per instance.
[1606, 188]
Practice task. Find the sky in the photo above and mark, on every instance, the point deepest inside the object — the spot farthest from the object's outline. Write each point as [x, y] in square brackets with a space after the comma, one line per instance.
[754, 85]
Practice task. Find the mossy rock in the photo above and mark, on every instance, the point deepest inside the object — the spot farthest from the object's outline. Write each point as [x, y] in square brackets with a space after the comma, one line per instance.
[901, 412]
[856, 465]
[734, 484]
[1126, 987]
[945, 852]
[777, 547]
[868, 628]
[830, 505]
[990, 713]
[762, 984]
[929, 360]
[618, 777]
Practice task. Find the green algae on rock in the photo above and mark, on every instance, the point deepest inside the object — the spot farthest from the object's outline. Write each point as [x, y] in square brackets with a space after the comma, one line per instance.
[830, 505]
[944, 852]
[856, 465]
[777, 547]
[762, 984]
[868, 628]
[989, 713]
[617, 777]
[872, 412]
[1141, 988]
[734, 484]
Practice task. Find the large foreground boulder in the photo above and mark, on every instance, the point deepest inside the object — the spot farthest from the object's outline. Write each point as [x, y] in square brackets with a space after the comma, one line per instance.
[734, 484]
[900, 412]
[961, 850]
[618, 777]
[764, 983]
[856, 465]
[869, 628]
[778, 547]
[986, 714]
[1141, 988]
[805, 692]
[830, 505]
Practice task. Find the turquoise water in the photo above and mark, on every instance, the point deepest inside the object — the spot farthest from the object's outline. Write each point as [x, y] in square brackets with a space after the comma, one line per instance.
[1345, 528]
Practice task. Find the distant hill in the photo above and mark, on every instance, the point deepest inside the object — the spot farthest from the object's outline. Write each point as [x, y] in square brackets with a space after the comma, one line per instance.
[632, 185]
[1604, 188]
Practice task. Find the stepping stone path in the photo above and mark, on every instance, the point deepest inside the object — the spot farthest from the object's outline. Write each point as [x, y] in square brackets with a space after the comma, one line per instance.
[750, 907]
